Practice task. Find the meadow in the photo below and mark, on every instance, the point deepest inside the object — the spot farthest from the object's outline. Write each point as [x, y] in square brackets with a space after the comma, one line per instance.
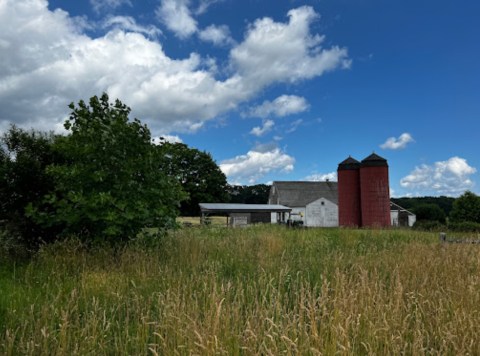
[259, 290]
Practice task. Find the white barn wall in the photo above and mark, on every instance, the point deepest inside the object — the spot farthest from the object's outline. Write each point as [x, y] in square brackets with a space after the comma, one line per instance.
[321, 212]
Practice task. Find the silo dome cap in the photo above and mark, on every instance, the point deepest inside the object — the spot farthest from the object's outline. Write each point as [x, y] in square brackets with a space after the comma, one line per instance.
[374, 160]
[349, 164]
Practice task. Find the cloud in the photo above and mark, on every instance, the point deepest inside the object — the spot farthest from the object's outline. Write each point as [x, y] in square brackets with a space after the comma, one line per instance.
[127, 23]
[176, 16]
[260, 131]
[107, 5]
[399, 143]
[294, 126]
[167, 138]
[204, 5]
[256, 164]
[282, 106]
[451, 177]
[321, 177]
[218, 35]
[278, 52]
[48, 61]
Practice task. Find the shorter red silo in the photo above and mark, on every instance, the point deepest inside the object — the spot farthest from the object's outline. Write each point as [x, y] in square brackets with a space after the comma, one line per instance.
[375, 191]
[349, 203]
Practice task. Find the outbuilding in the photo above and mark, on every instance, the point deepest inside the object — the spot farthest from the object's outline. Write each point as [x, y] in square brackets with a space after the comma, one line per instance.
[245, 214]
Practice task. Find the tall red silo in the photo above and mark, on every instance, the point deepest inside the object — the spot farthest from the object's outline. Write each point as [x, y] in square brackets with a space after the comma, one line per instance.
[375, 191]
[349, 206]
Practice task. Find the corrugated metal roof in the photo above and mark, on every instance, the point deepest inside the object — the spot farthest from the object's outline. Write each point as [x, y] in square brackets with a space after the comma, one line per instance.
[299, 194]
[241, 208]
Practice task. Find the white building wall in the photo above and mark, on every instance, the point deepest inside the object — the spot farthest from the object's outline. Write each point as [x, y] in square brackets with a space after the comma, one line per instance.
[273, 218]
[321, 212]
[411, 220]
[394, 217]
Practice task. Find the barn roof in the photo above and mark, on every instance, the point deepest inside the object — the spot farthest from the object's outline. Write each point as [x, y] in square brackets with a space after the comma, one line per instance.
[296, 194]
[242, 208]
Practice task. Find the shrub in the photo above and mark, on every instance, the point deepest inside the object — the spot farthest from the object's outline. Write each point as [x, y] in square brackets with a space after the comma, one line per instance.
[427, 225]
[465, 226]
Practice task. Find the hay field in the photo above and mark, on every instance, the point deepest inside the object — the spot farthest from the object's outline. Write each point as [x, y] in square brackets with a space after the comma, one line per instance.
[259, 291]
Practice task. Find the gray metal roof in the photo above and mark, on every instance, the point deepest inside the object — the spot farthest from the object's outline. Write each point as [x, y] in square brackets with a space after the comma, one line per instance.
[299, 194]
[241, 208]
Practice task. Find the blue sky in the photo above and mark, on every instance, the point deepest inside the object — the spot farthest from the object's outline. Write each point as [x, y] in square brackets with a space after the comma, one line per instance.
[274, 90]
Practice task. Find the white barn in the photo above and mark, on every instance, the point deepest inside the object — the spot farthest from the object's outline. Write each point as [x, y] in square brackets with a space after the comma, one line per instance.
[314, 203]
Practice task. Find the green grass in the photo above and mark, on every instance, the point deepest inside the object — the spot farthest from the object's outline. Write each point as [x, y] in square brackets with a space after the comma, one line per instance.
[260, 290]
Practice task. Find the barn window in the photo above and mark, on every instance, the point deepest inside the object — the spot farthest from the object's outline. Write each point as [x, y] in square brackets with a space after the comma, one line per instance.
[323, 203]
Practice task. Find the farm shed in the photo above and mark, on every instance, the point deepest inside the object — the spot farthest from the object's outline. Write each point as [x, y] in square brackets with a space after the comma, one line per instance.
[245, 214]
[401, 216]
[314, 203]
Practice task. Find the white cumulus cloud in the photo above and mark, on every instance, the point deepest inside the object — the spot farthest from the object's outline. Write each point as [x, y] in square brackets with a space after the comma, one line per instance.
[260, 131]
[107, 5]
[256, 163]
[176, 16]
[218, 35]
[399, 143]
[48, 61]
[127, 23]
[279, 52]
[322, 177]
[167, 138]
[451, 177]
[282, 106]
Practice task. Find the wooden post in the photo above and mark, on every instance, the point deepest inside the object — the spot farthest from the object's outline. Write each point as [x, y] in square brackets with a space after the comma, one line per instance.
[443, 237]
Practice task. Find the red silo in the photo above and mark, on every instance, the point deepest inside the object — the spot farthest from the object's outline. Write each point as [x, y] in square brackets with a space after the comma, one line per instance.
[375, 192]
[349, 206]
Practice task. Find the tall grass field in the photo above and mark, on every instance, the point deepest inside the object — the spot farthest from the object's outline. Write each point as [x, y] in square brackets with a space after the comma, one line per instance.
[262, 290]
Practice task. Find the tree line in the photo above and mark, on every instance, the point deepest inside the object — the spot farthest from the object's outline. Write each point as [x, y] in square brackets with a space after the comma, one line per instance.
[462, 213]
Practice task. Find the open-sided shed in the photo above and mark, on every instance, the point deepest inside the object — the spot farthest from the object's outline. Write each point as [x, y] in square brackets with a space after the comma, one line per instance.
[244, 214]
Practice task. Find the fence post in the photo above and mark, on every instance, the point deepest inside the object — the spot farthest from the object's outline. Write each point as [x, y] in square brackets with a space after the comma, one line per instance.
[443, 237]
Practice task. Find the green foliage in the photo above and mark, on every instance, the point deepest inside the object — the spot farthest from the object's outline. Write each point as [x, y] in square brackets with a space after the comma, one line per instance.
[249, 194]
[197, 173]
[24, 156]
[429, 212]
[445, 203]
[464, 226]
[429, 225]
[466, 208]
[109, 184]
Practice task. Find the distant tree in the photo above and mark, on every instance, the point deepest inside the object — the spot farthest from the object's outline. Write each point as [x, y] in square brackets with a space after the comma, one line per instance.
[249, 194]
[466, 208]
[24, 156]
[110, 184]
[411, 203]
[429, 212]
[198, 174]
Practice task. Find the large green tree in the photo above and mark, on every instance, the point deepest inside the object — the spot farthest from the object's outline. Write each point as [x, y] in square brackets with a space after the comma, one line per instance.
[249, 194]
[429, 212]
[466, 208]
[198, 174]
[24, 156]
[110, 184]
